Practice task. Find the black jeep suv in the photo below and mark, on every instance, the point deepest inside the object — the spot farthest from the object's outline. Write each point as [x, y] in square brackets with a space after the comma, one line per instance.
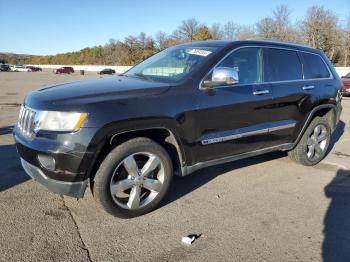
[188, 107]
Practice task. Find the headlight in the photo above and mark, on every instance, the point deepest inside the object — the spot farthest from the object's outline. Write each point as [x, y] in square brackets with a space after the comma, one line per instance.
[58, 121]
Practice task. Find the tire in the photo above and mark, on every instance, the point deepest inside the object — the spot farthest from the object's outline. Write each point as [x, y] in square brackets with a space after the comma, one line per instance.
[124, 171]
[313, 146]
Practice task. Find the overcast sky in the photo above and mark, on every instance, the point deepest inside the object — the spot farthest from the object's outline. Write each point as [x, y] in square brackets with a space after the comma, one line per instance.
[51, 27]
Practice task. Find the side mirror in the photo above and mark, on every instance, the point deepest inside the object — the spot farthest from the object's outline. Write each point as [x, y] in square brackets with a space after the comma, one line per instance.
[222, 76]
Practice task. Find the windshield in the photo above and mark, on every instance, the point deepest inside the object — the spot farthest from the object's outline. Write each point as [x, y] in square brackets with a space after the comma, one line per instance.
[172, 64]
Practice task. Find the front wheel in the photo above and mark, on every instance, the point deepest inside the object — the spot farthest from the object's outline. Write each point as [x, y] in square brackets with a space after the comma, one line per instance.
[313, 145]
[133, 178]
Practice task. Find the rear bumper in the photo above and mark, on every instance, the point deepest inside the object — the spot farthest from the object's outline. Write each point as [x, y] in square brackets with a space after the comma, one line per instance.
[345, 90]
[73, 189]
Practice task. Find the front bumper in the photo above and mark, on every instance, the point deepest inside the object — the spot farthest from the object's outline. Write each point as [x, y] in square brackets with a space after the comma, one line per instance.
[73, 189]
[69, 153]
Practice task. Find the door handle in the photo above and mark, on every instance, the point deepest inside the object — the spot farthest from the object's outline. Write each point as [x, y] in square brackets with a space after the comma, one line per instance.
[261, 92]
[308, 87]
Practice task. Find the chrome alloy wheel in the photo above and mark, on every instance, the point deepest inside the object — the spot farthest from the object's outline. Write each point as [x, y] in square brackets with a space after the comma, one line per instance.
[317, 142]
[137, 180]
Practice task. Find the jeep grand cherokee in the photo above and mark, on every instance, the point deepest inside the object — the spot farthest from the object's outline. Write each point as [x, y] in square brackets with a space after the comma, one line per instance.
[188, 107]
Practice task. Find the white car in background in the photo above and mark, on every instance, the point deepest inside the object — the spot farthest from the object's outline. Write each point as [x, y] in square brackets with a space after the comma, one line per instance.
[20, 68]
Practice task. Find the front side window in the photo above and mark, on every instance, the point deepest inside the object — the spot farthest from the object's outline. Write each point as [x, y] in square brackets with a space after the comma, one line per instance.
[314, 67]
[173, 64]
[281, 65]
[247, 62]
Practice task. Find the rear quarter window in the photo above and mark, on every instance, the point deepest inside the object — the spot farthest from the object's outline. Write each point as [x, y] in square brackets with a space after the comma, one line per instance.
[314, 67]
[281, 65]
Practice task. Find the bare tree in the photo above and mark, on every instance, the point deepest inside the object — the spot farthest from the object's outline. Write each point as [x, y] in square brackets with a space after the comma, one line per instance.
[321, 30]
[282, 23]
[231, 30]
[266, 28]
[278, 26]
[216, 31]
[160, 40]
[245, 33]
[187, 30]
[346, 44]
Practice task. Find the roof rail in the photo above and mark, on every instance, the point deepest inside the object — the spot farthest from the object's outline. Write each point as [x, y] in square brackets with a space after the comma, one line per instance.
[277, 41]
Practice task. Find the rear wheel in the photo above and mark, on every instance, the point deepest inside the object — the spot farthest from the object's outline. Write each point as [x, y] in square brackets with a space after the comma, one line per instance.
[133, 178]
[313, 145]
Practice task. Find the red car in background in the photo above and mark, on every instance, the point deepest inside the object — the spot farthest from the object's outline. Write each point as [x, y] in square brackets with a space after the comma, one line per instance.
[346, 84]
[64, 70]
[34, 68]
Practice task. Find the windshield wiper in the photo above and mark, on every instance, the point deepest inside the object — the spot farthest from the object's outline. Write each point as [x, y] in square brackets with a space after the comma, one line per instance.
[140, 75]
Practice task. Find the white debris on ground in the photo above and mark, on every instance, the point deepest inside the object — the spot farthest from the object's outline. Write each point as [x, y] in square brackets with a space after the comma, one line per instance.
[188, 240]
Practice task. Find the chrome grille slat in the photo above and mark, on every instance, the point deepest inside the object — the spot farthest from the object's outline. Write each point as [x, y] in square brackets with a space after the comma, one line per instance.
[31, 126]
[21, 121]
[21, 118]
[25, 124]
[26, 121]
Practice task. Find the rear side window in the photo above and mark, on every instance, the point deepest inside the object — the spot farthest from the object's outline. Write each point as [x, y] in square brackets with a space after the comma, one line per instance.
[281, 65]
[314, 67]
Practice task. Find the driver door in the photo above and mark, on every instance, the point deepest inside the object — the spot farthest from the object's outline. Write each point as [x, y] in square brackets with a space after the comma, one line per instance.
[234, 119]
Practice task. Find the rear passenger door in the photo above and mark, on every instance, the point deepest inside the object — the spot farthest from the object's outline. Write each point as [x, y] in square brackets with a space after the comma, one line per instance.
[293, 97]
[317, 77]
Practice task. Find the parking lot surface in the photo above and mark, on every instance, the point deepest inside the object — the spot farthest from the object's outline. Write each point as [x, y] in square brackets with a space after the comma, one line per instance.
[265, 208]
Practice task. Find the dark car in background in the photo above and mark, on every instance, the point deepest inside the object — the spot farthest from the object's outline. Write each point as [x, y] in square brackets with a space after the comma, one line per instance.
[35, 68]
[107, 71]
[188, 107]
[64, 70]
[346, 84]
[5, 68]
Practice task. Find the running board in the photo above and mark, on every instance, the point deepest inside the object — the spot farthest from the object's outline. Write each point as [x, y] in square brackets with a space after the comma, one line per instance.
[186, 170]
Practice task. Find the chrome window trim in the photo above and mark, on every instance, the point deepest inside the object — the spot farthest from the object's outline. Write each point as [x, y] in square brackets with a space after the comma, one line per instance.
[271, 82]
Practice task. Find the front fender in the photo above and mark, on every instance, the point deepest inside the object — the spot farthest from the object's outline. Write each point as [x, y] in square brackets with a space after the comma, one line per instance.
[106, 134]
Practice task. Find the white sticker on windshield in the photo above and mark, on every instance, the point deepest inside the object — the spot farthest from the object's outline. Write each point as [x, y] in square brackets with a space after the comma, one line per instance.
[199, 52]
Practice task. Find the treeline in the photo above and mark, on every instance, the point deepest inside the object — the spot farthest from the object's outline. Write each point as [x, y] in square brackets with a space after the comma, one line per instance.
[320, 28]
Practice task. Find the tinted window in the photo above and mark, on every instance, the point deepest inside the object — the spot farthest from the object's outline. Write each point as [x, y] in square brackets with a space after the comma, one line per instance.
[314, 67]
[281, 65]
[247, 61]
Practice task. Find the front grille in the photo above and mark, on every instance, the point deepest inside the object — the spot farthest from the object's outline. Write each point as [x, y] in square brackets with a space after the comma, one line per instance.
[26, 120]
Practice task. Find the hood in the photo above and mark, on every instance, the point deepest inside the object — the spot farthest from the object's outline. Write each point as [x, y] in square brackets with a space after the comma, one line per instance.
[76, 95]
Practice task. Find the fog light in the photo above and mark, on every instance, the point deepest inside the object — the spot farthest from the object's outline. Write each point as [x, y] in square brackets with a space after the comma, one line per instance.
[47, 162]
